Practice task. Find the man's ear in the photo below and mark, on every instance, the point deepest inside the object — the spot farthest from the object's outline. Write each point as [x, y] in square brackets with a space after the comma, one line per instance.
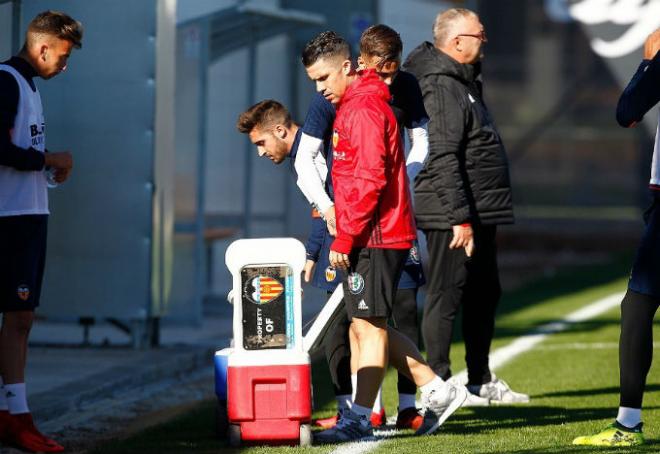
[43, 51]
[390, 66]
[347, 67]
[280, 131]
[457, 44]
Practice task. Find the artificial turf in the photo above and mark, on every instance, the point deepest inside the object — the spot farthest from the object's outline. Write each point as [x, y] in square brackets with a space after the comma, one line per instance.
[572, 378]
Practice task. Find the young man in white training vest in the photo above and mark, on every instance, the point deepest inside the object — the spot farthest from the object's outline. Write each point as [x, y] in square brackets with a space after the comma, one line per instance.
[26, 167]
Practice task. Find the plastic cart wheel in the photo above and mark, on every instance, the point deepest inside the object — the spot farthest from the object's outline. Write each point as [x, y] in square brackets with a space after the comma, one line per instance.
[221, 419]
[305, 435]
[234, 435]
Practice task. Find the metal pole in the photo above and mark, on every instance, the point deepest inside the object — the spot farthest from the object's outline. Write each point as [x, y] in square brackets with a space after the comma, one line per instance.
[293, 103]
[247, 182]
[16, 26]
[202, 113]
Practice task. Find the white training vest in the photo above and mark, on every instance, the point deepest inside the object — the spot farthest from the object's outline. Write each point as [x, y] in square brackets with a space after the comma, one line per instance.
[25, 192]
[655, 166]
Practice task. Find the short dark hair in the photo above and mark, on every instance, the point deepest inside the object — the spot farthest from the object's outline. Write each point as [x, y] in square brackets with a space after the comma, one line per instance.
[58, 24]
[264, 114]
[381, 41]
[327, 44]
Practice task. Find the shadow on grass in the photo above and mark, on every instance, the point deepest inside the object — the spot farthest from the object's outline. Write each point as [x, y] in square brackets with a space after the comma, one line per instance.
[324, 398]
[489, 419]
[566, 281]
[650, 446]
[193, 432]
[593, 392]
[582, 327]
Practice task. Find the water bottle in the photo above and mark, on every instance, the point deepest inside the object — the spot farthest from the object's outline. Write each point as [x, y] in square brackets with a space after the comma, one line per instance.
[50, 178]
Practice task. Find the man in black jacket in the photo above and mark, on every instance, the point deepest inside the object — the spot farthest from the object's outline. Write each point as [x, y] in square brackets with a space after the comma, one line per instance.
[462, 193]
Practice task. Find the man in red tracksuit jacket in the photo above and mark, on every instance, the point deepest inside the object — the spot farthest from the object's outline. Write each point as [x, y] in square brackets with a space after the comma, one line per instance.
[375, 230]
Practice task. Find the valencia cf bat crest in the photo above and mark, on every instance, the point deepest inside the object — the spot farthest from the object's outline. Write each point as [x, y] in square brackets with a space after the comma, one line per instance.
[262, 289]
[23, 292]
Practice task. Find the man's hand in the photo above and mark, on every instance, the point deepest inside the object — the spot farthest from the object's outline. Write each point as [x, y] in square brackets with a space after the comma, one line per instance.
[339, 260]
[463, 238]
[60, 160]
[331, 220]
[652, 45]
[308, 269]
[61, 175]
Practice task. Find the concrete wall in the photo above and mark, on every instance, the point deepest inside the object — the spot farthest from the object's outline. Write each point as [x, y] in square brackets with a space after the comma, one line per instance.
[229, 158]
[5, 30]
[106, 258]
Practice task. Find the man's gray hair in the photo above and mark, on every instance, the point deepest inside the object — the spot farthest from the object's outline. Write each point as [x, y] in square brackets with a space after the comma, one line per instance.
[444, 24]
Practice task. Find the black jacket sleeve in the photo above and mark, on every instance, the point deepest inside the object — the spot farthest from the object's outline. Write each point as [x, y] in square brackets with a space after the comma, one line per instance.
[641, 94]
[446, 150]
[11, 155]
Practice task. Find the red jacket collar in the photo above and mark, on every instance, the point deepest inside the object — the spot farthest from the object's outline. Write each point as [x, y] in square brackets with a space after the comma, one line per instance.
[368, 83]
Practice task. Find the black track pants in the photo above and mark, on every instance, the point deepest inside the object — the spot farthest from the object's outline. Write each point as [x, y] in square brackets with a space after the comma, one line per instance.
[635, 346]
[455, 280]
[338, 352]
[404, 319]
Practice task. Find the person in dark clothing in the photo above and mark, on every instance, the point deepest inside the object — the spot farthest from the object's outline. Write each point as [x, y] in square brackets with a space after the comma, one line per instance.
[380, 50]
[642, 299]
[26, 171]
[462, 194]
[316, 133]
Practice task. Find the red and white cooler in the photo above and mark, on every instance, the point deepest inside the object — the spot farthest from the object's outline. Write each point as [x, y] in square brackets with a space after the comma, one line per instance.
[269, 389]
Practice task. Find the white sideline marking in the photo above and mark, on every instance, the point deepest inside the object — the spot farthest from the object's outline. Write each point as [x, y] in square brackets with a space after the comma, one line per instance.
[526, 342]
[505, 354]
[586, 346]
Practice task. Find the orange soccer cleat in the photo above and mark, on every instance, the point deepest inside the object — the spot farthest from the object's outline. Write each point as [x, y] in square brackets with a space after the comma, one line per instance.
[378, 419]
[409, 418]
[327, 423]
[20, 431]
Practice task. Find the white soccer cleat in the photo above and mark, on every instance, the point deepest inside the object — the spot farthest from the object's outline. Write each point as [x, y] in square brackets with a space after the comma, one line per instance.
[498, 392]
[475, 401]
[439, 404]
[458, 380]
[472, 399]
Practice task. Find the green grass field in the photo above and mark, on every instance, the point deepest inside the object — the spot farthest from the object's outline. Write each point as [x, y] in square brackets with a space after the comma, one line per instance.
[571, 376]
